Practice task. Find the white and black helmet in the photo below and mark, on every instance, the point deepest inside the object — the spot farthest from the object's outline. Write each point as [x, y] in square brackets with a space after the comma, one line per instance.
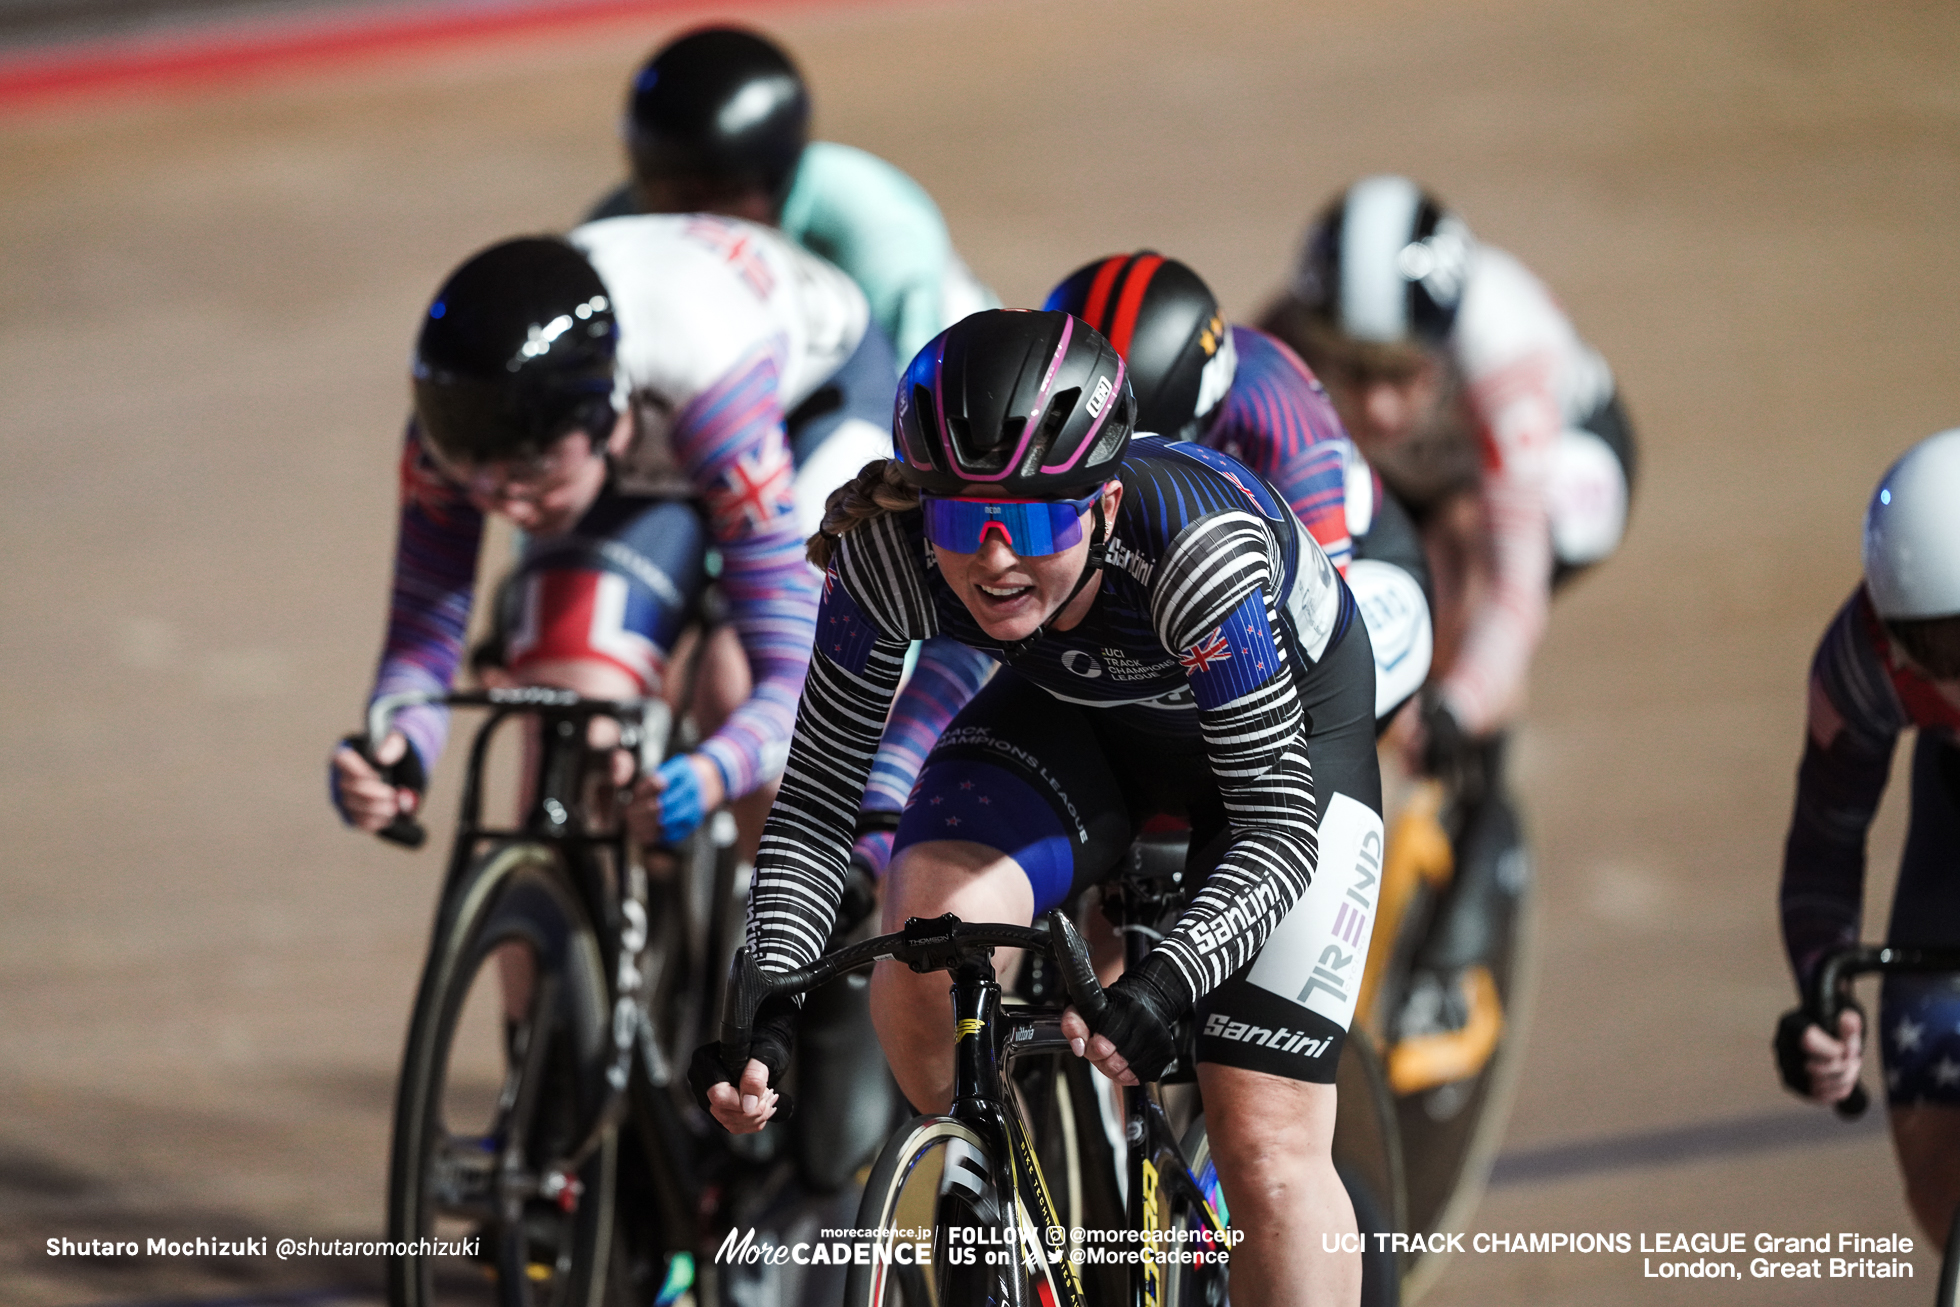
[1385, 263]
[1912, 533]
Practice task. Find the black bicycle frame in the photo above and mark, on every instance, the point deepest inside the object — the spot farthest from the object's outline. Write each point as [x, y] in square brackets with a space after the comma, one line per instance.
[620, 913]
[982, 1057]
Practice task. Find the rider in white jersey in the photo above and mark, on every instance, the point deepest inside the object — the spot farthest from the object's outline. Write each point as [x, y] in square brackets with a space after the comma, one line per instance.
[717, 121]
[638, 401]
[699, 298]
[1469, 390]
[724, 329]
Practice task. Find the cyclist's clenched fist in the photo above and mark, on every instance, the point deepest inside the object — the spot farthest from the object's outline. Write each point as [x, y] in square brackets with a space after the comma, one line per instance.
[367, 800]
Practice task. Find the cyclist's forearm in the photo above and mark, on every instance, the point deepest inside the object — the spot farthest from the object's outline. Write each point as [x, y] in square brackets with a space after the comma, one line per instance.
[799, 872]
[1823, 888]
[436, 546]
[1259, 754]
[1485, 683]
[772, 599]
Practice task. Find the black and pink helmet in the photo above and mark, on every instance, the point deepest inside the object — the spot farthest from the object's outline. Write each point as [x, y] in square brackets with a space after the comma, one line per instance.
[1034, 405]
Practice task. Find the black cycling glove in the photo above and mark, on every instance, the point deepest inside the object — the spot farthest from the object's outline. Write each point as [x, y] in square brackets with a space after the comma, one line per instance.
[1449, 753]
[1141, 1020]
[1792, 1063]
[406, 773]
[770, 1043]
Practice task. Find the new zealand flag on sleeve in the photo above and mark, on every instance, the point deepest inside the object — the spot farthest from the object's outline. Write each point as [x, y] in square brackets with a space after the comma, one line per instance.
[844, 633]
[1234, 658]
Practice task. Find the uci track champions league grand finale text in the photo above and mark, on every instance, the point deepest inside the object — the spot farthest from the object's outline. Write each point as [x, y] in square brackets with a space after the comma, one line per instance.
[1684, 1255]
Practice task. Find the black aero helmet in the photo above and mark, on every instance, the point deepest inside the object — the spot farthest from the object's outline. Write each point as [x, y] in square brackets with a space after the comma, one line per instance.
[720, 103]
[1385, 263]
[1032, 403]
[1165, 322]
[516, 350]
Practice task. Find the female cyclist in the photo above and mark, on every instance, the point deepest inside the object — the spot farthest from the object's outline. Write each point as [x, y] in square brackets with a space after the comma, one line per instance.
[1468, 388]
[1889, 661]
[629, 399]
[1175, 642]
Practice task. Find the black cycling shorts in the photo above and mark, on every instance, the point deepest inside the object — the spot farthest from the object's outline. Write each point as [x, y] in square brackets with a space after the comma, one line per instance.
[1064, 789]
[1919, 1016]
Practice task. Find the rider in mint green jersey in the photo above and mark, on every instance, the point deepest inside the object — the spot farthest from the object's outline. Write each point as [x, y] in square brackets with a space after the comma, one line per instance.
[718, 121]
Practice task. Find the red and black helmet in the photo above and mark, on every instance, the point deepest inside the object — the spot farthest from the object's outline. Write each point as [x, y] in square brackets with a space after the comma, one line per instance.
[1031, 403]
[1165, 322]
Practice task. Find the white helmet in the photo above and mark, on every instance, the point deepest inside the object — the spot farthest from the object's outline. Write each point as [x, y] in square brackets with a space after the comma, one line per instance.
[1912, 533]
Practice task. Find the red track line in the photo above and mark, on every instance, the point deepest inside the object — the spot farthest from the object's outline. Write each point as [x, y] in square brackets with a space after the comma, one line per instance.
[233, 53]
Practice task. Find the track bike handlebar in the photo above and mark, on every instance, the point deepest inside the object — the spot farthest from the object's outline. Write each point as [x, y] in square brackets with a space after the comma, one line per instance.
[405, 830]
[926, 944]
[1826, 997]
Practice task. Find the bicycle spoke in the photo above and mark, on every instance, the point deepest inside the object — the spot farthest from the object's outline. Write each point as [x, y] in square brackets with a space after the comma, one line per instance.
[516, 1127]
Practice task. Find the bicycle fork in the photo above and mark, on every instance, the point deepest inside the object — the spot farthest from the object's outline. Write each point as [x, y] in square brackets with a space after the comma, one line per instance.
[1159, 1175]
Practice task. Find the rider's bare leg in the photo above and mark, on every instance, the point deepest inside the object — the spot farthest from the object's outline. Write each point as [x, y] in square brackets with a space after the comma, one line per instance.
[1272, 1139]
[722, 684]
[913, 1012]
[1456, 542]
[1927, 1139]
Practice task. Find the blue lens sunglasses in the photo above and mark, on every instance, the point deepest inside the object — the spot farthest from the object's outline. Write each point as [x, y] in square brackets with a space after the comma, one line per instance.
[1032, 528]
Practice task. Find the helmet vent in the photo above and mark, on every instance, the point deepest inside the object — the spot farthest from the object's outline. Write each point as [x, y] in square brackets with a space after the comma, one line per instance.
[1114, 432]
[920, 454]
[1059, 410]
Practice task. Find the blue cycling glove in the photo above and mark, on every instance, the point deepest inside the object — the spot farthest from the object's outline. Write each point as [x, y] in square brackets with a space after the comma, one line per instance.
[680, 799]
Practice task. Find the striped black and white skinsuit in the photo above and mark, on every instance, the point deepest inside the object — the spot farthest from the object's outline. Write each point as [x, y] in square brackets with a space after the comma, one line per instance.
[1220, 675]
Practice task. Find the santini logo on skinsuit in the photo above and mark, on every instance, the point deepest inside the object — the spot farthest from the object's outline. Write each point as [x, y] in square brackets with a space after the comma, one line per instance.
[1284, 1040]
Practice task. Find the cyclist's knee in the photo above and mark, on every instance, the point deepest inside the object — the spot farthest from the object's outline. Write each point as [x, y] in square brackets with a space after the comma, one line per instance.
[722, 680]
[843, 450]
[1266, 1128]
[1586, 500]
[971, 881]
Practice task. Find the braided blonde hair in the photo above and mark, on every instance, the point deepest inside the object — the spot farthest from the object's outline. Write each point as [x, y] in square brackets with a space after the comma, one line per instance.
[875, 491]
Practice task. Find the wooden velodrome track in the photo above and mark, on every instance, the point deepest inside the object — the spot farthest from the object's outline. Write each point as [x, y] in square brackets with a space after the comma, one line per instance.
[207, 293]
